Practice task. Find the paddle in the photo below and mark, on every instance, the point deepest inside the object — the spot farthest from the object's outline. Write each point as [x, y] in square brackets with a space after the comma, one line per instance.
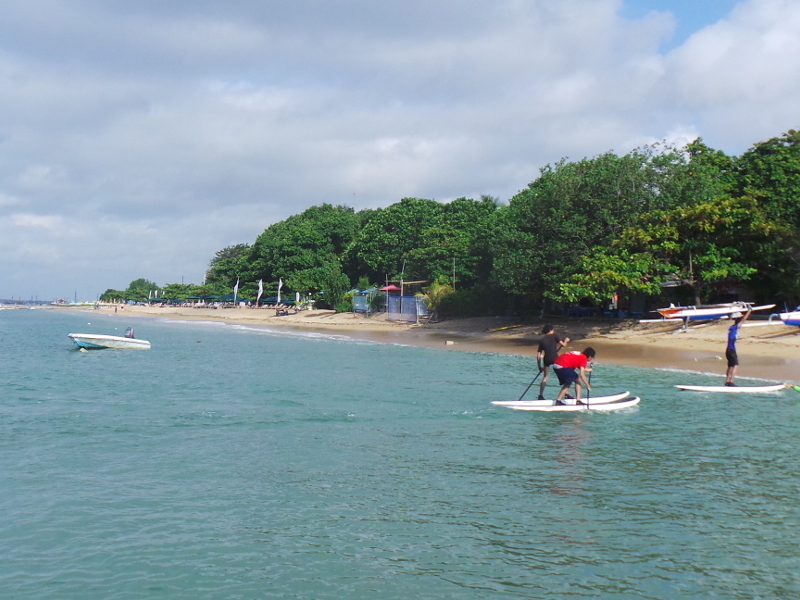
[796, 388]
[588, 391]
[530, 384]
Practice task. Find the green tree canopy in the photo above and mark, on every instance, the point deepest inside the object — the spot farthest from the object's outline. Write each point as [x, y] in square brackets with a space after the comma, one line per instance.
[295, 249]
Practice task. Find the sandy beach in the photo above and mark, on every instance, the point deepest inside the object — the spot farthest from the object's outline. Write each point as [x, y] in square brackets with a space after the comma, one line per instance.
[766, 351]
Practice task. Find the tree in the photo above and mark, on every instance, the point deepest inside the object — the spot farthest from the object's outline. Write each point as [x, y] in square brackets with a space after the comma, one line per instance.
[769, 172]
[140, 290]
[454, 246]
[295, 249]
[698, 246]
[386, 243]
[112, 295]
[574, 207]
[227, 266]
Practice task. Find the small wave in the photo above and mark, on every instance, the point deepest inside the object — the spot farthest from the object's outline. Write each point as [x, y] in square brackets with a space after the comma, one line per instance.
[188, 322]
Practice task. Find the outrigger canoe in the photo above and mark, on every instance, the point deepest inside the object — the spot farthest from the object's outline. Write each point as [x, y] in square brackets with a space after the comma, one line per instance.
[708, 313]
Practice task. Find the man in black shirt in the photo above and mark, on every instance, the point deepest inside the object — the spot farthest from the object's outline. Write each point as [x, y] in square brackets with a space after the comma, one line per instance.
[547, 354]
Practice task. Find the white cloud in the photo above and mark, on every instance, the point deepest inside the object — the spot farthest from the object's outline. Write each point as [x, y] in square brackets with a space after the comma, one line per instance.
[137, 139]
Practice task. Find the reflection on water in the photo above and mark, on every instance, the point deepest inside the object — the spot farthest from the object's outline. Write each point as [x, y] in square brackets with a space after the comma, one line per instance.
[568, 447]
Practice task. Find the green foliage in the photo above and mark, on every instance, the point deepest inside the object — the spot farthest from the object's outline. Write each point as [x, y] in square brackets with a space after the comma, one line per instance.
[139, 290]
[112, 295]
[387, 240]
[603, 273]
[586, 229]
[335, 285]
[698, 245]
[574, 207]
[422, 240]
[295, 249]
[228, 265]
[770, 173]
[479, 300]
[436, 293]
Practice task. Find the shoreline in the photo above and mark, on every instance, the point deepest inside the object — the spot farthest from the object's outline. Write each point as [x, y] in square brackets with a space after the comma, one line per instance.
[766, 351]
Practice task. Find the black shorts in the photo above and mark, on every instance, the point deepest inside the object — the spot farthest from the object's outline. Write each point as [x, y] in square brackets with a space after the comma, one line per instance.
[733, 360]
[566, 376]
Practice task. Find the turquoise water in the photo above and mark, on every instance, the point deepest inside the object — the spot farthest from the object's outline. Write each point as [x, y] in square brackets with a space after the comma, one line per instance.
[238, 463]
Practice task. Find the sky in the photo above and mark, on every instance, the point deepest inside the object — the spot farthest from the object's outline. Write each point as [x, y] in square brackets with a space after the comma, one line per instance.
[139, 138]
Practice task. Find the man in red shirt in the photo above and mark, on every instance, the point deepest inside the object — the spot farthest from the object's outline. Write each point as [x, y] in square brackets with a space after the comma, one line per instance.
[570, 368]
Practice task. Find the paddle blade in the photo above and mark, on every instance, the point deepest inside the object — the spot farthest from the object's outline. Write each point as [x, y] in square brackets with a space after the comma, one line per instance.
[796, 388]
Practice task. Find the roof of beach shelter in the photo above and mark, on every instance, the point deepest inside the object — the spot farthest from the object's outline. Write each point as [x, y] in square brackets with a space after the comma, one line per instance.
[230, 297]
[390, 288]
[272, 299]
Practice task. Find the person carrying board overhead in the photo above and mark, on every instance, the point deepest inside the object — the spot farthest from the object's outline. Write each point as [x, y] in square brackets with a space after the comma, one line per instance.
[571, 367]
[730, 349]
[547, 354]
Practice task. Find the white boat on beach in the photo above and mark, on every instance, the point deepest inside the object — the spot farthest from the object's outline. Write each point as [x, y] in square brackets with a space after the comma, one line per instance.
[708, 313]
[97, 341]
[791, 318]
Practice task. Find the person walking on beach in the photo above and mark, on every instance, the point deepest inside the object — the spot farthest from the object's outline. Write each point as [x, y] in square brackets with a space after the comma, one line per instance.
[571, 367]
[547, 354]
[730, 350]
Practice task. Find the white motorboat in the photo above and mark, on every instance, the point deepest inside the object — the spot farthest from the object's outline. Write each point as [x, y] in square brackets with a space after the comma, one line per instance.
[97, 341]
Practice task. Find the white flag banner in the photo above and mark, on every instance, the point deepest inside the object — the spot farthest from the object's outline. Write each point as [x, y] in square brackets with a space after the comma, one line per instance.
[236, 290]
[280, 285]
[260, 290]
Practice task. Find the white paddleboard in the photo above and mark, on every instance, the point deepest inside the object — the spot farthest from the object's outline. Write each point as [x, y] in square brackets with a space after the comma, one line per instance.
[592, 400]
[591, 407]
[743, 389]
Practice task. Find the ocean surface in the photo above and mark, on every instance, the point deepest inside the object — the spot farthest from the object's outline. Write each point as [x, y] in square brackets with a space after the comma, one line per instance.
[236, 462]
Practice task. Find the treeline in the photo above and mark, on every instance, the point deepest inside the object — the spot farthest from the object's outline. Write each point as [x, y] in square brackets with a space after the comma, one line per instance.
[672, 224]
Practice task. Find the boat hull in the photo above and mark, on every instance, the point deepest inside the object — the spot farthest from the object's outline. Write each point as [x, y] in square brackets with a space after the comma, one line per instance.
[96, 341]
[791, 318]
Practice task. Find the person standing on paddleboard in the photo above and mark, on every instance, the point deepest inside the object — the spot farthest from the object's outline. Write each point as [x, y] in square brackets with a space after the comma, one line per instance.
[730, 350]
[571, 367]
[547, 354]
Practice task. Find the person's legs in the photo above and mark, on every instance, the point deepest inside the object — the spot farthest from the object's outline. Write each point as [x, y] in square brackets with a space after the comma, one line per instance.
[543, 384]
[733, 365]
[566, 377]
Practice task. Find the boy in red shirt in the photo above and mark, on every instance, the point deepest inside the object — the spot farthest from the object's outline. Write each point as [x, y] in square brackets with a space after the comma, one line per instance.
[570, 368]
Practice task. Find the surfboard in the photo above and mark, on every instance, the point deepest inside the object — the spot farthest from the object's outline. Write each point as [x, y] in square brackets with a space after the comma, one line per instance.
[743, 389]
[592, 400]
[591, 407]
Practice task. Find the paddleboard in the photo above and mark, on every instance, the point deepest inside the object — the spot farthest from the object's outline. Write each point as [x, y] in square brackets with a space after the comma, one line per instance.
[592, 400]
[744, 389]
[592, 407]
